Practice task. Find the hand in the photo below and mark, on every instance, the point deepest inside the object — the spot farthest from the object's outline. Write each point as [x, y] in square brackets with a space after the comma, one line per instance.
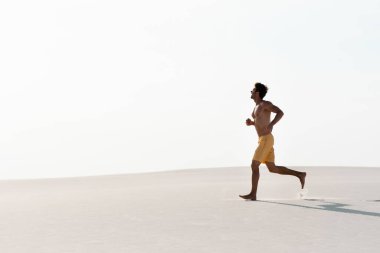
[249, 122]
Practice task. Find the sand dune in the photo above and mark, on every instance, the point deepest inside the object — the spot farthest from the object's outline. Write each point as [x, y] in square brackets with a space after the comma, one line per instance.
[193, 211]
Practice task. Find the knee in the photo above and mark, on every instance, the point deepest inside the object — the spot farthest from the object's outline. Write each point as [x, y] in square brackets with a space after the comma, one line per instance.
[255, 171]
[255, 168]
[272, 168]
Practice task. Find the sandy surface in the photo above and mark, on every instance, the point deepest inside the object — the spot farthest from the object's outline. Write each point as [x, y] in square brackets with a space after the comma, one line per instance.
[193, 211]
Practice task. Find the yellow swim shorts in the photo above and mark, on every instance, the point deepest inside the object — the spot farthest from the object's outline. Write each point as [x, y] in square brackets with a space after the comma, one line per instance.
[265, 151]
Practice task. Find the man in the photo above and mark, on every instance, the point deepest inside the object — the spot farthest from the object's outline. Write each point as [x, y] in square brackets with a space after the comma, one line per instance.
[265, 152]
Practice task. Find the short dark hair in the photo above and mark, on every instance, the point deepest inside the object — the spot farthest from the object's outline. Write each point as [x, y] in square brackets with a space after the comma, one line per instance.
[262, 89]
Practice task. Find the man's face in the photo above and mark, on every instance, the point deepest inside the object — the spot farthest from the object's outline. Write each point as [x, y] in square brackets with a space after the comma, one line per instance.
[253, 92]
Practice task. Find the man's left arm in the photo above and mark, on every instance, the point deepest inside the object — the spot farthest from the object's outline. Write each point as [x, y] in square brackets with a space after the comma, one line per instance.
[279, 113]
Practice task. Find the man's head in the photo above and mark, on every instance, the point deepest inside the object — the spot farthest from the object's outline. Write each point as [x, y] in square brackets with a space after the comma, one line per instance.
[260, 90]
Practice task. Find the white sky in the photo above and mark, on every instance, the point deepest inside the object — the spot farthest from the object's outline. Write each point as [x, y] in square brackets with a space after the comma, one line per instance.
[103, 87]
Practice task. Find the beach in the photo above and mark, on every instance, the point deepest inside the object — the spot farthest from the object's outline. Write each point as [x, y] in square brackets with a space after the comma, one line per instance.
[194, 210]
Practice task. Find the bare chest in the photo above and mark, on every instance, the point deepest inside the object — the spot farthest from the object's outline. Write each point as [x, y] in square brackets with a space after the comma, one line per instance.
[258, 111]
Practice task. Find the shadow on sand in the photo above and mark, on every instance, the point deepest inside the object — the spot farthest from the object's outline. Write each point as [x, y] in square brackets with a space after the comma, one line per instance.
[327, 206]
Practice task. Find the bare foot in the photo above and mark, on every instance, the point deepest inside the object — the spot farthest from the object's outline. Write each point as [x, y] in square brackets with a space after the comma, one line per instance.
[248, 196]
[302, 178]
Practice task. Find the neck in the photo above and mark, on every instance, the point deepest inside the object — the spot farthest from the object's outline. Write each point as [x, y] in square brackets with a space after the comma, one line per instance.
[258, 101]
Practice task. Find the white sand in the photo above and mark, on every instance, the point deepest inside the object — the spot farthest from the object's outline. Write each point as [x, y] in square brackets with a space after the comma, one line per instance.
[193, 211]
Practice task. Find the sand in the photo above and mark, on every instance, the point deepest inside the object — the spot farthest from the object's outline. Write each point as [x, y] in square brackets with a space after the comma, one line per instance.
[193, 211]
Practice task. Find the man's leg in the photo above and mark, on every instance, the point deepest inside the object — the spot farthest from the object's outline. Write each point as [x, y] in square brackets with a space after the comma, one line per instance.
[255, 181]
[285, 171]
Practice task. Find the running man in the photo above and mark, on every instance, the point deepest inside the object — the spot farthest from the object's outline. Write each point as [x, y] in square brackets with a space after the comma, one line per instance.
[265, 152]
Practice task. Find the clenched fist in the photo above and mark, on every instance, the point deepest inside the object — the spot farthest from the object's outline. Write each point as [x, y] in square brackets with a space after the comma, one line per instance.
[249, 122]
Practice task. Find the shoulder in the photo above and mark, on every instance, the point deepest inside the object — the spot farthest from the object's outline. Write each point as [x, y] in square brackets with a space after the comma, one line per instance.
[271, 107]
[267, 104]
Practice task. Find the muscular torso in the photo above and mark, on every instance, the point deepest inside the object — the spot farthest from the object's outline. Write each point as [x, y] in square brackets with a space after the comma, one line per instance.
[262, 119]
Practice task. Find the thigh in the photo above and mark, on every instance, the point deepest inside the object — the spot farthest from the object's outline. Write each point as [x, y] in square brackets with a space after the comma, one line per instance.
[270, 156]
[264, 152]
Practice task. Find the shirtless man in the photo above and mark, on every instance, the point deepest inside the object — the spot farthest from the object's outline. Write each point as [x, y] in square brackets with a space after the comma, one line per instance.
[265, 152]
